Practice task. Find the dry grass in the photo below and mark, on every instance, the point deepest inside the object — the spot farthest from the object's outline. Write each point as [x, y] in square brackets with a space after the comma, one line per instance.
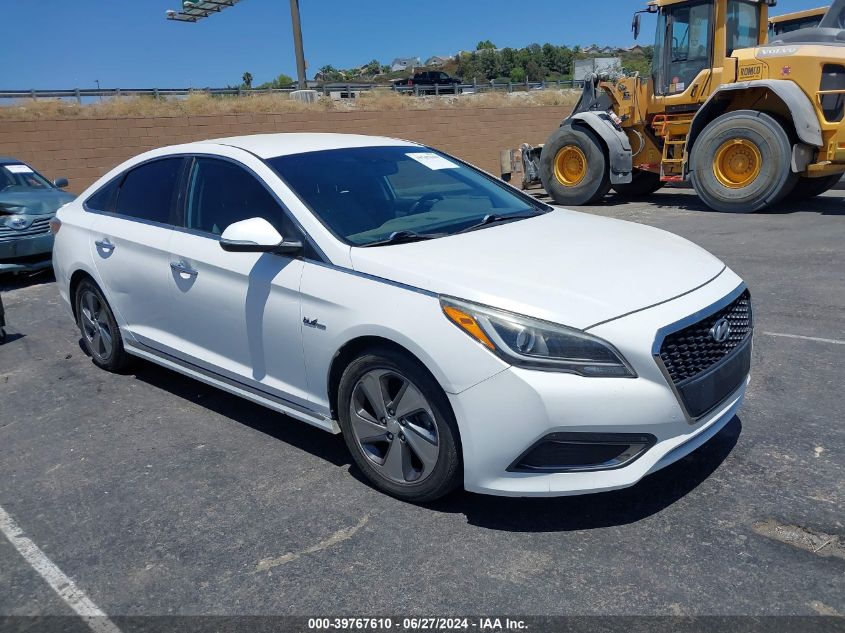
[201, 103]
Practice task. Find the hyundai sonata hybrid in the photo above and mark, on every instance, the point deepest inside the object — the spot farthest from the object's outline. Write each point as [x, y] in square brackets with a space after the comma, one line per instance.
[455, 330]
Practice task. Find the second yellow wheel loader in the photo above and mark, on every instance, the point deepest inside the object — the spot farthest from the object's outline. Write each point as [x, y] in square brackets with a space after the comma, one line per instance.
[746, 121]
[788, 22]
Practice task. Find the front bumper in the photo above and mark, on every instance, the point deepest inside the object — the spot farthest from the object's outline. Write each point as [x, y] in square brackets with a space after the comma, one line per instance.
[503, 416]
[26, 254]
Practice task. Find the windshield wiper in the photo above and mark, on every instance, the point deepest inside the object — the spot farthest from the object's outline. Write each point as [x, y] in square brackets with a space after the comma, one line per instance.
[495, 218]
[404, 237]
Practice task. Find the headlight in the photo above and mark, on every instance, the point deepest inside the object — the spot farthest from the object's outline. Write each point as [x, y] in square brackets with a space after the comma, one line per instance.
[536, 344]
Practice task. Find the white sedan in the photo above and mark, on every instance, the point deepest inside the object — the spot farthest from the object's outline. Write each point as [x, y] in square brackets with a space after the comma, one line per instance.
[455, 330]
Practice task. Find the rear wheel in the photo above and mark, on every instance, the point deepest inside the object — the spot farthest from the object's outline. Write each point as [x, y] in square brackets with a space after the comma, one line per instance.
[100, 333]
[643, 183]
[742, 162]
[573, 167]
[399, 426]
[812, 187]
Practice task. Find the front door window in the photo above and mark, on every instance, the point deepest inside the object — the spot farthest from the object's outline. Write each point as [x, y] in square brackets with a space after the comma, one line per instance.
[688, 46]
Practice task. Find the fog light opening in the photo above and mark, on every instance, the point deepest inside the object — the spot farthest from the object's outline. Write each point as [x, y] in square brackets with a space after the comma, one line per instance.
[580, 452]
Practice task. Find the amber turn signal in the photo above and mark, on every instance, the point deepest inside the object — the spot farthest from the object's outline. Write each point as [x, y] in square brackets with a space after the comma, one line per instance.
[468, 324]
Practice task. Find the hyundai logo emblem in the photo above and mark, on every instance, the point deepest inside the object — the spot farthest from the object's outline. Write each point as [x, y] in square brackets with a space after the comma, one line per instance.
[720, 331]
[18, 224]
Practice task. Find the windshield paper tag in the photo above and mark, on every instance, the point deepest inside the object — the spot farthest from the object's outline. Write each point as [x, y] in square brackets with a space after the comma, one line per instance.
[18, 169]
[432, 161]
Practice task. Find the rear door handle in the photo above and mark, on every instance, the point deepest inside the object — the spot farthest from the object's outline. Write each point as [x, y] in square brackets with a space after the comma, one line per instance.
[104, 245]
[183, 269]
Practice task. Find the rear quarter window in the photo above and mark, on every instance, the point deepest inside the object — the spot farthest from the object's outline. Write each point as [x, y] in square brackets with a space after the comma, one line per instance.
[103, 198]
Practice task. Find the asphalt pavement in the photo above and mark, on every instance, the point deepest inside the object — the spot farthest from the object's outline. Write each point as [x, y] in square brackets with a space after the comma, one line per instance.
[159, 495]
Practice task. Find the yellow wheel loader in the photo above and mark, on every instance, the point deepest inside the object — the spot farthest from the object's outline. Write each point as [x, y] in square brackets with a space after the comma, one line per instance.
[746, 121]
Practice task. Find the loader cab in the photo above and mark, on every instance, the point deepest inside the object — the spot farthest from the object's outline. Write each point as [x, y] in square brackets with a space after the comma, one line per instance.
[693, 39]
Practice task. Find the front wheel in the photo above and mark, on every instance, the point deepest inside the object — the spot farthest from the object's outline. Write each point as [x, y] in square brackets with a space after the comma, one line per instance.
[399, 426]
[574, 167]
[742, 162]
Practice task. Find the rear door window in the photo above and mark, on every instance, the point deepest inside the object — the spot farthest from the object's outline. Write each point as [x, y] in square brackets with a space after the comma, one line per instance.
[149, 191]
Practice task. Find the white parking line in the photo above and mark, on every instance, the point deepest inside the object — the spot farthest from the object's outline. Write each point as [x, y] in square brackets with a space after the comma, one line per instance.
[832, 341]
[60, 583]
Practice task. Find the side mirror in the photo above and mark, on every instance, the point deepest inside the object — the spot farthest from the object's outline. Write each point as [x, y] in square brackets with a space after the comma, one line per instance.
[256, 235]
[60, 183]
[635, 25]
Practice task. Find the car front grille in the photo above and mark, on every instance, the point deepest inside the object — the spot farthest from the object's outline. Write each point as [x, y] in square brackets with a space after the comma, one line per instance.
[38, 227]
[691, 351]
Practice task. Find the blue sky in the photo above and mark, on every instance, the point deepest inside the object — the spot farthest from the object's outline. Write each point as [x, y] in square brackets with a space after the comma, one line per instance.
[129, 44]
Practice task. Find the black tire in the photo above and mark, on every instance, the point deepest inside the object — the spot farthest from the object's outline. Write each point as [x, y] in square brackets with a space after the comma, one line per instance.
[643, 183]
[811, 187]
[441, 478]
[763, 142]
[111, 357]
[595, 181]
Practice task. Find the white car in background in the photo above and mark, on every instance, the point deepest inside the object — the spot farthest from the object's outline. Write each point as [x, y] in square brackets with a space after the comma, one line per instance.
[455, 330]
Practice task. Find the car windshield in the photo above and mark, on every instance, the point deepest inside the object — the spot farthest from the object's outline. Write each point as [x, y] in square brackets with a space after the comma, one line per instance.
[20, 177]
[366, 195]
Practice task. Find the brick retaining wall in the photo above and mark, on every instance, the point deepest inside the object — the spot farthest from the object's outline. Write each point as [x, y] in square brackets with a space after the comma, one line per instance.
[83, 149]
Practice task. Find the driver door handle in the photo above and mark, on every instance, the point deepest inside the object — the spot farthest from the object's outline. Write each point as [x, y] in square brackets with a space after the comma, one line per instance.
[183, 269]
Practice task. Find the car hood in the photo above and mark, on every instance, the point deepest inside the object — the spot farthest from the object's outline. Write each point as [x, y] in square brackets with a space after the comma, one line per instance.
[33, 202]
[567, 267]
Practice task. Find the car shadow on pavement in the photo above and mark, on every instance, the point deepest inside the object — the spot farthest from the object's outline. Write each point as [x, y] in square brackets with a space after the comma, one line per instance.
[11, 337]
[686, 200]
[280, 427]
[586, 512]
[620, 507]
[10, 281]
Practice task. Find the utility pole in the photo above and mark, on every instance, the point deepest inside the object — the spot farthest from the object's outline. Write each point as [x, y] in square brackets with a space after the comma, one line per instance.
[297, 44]
[195, 10]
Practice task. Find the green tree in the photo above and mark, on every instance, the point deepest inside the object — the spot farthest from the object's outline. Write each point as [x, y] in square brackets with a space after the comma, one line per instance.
[330, 73]
[485, 44]
[372, 68]
[247, 78]
[489, 63]
[468, 67]
[517, 74]
[507, 58]
[282, 81]
[534, 72]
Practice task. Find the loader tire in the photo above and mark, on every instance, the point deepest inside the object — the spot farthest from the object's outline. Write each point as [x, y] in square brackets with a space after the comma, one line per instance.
[741, 162]
[811, 187]
[574, 167]
[643, 183]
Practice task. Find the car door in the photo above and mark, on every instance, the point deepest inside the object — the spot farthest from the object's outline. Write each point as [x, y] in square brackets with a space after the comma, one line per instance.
[130, 238]
[236, 314]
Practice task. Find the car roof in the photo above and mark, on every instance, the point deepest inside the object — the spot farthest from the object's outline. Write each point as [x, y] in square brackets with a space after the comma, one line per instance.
[272, 145]
[8, 159]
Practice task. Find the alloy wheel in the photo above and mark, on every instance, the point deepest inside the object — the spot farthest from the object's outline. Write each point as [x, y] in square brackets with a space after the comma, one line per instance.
[95, 325]
[394, 426]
